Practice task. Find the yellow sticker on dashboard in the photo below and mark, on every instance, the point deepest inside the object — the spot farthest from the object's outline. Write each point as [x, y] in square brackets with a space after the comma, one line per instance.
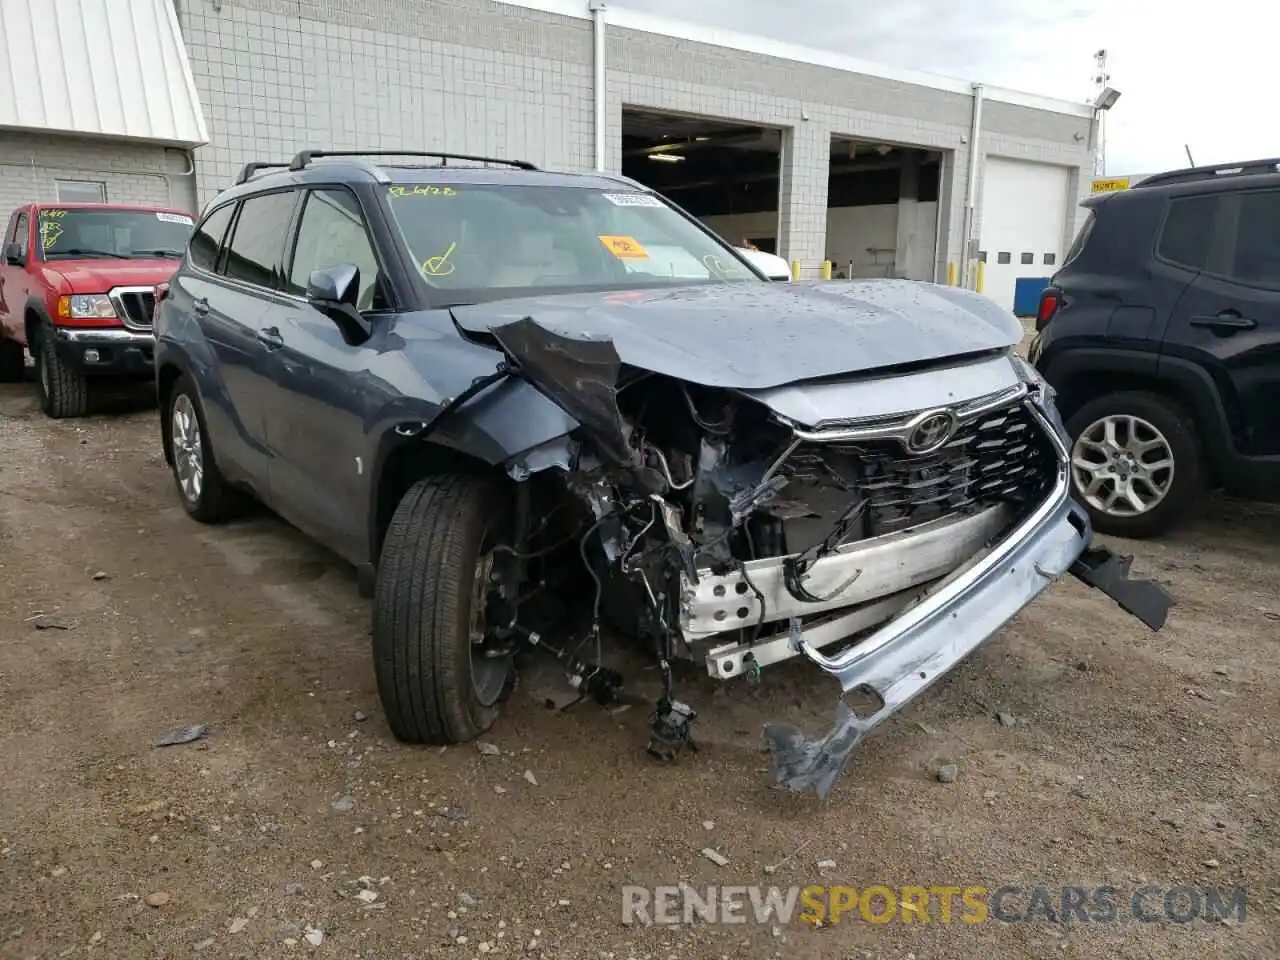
[624, 248]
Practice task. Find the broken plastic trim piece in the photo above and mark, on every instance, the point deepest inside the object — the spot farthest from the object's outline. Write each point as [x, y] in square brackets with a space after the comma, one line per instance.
[579, 375]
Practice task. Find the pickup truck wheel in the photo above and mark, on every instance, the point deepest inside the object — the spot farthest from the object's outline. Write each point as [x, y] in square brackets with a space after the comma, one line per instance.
[1136, 463]
[438, 680]
[13, 359]
[205, 495]
[63, 390]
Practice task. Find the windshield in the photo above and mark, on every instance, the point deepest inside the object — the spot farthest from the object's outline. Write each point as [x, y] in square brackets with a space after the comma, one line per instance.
[487, 241]
[114, 234]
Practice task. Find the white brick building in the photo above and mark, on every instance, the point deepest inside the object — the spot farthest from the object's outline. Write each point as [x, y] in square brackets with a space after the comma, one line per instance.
[216, 83]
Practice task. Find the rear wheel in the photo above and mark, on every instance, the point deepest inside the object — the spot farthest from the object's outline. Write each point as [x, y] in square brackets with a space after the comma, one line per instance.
[13, 359]
[63, 389]
[205, 495]
[439, 679]
[1136, 463]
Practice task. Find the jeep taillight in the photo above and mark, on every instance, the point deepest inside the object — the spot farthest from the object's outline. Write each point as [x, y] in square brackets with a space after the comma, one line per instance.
[1050, 301]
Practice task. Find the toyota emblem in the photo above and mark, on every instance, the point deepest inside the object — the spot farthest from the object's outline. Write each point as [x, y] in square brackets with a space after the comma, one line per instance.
[930, 432]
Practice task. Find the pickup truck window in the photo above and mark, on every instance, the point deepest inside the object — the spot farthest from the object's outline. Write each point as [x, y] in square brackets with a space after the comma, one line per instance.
[78, 233]
[21, 233]
[480, 241]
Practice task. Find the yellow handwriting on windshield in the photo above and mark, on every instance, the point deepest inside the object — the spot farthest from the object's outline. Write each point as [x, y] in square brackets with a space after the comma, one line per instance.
[423, 190]
[439, 266]
[50, 231]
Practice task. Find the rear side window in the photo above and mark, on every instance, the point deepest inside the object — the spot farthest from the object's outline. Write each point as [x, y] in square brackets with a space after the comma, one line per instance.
[1184, 238]
[258, 239]
[1077, 245]
[206, 240]
[1257, 257]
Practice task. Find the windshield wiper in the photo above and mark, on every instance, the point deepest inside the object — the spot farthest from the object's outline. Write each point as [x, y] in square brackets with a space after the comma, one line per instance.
[177, 254]
[77, 252]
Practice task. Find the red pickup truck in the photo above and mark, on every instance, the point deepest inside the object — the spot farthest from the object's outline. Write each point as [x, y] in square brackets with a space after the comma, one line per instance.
[77, 288]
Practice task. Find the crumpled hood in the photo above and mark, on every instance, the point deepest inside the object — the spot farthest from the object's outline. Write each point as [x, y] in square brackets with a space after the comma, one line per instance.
[751, 336]
[98, 275]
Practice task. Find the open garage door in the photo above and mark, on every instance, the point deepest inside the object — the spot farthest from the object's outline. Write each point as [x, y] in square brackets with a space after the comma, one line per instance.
[1024, 211]
[724, 173]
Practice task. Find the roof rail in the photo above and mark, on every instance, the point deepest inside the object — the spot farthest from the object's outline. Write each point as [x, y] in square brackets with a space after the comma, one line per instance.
[301, 160]
[249, 169]
[1192, 174]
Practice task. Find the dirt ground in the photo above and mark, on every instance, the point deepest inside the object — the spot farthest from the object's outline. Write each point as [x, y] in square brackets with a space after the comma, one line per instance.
[1134, 758]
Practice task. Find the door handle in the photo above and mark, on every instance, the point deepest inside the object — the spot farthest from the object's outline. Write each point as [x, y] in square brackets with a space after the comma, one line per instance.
[1226, 322]
[270, 337]
[200, 306]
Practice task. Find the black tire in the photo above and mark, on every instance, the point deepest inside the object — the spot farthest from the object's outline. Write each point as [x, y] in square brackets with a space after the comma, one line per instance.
[422, 614]
[13, 361]
[64, 391]
[1189, 488]
[215, 501]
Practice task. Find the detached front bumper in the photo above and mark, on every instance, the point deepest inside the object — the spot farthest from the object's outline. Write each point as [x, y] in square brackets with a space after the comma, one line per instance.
[956, 616]
[110, 352]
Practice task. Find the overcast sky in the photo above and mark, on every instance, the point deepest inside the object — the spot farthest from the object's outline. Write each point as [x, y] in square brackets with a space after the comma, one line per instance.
[1168, 59]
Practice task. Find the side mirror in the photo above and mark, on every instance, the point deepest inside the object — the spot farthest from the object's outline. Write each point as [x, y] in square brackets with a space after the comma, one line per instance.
[13, 255]
[334, 292]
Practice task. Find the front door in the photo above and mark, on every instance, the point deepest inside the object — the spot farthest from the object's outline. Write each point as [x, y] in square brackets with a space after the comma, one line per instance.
[327, 396]
[1228, 321]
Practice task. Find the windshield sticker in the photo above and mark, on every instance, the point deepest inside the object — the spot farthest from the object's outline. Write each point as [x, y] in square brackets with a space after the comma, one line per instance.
[50, 227]
[423, 190]
[440, 266]
[719, 267]
[175, 218]
[633, 200]
[624, 248]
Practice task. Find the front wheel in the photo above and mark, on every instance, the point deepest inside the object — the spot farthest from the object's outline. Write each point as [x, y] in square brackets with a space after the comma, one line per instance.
[439, 679]
[63, 389]
[1136, 463]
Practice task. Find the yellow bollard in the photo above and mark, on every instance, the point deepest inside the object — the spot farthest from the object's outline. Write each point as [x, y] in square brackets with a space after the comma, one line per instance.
[982, 269]
[826, 269]
[951, 274]
[795, 269]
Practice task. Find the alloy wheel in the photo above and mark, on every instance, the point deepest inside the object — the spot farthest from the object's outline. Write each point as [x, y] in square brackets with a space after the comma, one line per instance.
[188, 454]
[1122, 465]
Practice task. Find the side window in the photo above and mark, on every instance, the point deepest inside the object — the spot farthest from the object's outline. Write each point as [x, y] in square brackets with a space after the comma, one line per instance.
[22, 235]
[208, 236]
[258, 238]
[1257, 259]
[331, 232]
[1184, 238]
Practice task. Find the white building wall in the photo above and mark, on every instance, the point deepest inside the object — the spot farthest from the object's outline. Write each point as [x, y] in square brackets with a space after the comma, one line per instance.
[31, 164]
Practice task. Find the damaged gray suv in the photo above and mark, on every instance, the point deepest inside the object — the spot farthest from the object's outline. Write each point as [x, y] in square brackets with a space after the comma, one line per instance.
[528, 404]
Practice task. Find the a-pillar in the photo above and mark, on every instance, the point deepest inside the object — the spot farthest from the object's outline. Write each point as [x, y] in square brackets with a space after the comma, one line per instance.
[802, 196]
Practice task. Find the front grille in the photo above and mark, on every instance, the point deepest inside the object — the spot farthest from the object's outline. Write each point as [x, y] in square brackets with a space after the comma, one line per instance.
[135, 306]
[1001, 456]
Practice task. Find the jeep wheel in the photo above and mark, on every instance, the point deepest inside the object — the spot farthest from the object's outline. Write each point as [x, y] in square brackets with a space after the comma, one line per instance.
[438, 681]
[204, 493]
[63, 390]
[1136, 463]
[13, 360]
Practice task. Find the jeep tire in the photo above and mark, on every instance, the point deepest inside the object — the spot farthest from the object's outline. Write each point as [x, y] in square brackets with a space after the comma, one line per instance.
[13, 361]
[63, 390]
[1162, 420]
[432, 578]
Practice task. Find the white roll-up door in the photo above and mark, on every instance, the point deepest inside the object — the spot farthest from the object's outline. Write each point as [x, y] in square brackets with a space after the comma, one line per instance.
[1023, 225]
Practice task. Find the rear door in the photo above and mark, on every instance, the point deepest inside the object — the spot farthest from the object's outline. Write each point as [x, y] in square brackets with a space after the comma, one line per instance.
[230, 307]
[1228, 321]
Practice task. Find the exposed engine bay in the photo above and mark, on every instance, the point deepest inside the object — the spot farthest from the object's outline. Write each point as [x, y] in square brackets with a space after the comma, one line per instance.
[714, 527]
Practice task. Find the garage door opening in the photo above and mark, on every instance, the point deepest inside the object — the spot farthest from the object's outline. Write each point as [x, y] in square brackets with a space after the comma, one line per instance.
[724, 173]
[882, 210]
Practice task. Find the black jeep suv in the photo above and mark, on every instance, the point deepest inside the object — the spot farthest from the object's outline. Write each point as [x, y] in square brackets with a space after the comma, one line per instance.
[1161, 334]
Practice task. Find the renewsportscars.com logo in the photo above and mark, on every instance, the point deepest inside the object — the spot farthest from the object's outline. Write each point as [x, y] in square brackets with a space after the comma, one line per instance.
[966, 904]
